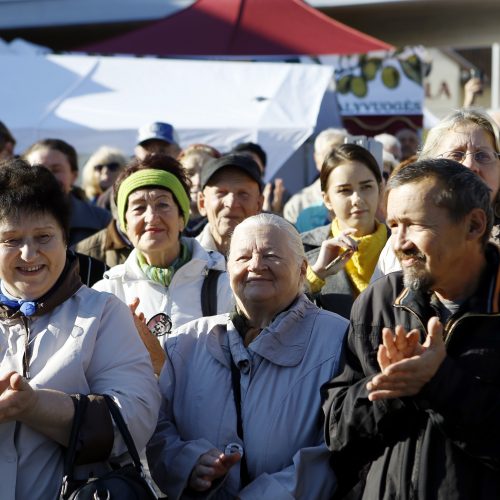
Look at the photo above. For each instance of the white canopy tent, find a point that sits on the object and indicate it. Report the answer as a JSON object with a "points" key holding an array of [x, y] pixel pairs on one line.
{"points": [[93, 101]]}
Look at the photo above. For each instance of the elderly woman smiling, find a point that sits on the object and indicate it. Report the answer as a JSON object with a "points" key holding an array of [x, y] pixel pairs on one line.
{"points": [[58, 338], [162, 279], [240, 414]]}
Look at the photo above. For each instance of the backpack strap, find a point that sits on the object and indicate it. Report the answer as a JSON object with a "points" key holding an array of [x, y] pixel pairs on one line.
{"points": [[91, 269], [209, 293]]}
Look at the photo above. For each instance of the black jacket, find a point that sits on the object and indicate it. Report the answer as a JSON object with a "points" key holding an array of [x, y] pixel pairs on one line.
{"points": [[443, 443]]}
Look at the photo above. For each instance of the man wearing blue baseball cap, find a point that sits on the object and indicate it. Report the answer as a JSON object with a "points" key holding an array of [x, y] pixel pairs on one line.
{"points": [[157, 137]]}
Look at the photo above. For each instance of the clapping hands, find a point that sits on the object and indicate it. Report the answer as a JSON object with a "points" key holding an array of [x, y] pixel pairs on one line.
{"points": [[406, 365]]}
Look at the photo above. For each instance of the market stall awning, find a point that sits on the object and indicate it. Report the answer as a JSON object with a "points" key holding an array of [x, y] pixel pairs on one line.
{"points": [[93, 101], [241, 28]]}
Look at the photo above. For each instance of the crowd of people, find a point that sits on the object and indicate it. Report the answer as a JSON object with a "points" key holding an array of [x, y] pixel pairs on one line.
{"points": [[339, 343]]}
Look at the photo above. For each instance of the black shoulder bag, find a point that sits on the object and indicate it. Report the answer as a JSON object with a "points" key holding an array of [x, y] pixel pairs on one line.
{"points": [[125, 483], [209, 293]]}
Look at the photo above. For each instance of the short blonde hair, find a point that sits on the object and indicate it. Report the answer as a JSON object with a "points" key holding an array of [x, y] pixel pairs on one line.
{"points": [[103, 155]]}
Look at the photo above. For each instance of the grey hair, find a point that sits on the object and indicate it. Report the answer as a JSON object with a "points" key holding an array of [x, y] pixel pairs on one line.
{"points": [[266, 219], [328, 139], [459, 117], [388, 140], [461, 190]]}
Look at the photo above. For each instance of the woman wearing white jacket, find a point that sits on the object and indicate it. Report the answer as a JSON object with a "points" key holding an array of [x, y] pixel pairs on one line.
{"points": [[58, 339], [162, 279]]}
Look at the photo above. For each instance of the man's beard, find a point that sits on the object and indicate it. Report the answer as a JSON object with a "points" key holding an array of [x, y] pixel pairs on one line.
{"points": [[416, 277]]}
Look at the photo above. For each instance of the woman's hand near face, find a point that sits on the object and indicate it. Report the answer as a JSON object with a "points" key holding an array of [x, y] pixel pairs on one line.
{"points": [[211, 466], [155, 349], [330, 250]]}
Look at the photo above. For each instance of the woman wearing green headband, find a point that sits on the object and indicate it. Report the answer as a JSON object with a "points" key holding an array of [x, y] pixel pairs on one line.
{"points": [[162, 278]]}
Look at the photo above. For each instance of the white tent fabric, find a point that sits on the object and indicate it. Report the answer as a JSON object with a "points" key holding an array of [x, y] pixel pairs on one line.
{"points": [[93, 101], [21, 46]]}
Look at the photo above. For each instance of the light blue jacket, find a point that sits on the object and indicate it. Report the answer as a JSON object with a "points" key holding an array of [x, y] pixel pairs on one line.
{"points": [[282, 371]]}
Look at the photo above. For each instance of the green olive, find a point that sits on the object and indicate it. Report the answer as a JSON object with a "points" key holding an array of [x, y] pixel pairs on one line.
{"points": [[358, 86], [390, 77]]}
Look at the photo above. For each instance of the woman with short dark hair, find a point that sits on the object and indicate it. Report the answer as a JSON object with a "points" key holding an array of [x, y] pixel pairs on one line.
{"points": [[58, 338]]}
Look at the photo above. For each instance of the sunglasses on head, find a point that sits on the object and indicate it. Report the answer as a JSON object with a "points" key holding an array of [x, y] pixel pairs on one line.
{"points": [[113, 166]]}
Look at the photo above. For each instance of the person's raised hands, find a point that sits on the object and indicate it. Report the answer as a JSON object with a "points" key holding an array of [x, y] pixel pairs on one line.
{"points": [[407, 376]]}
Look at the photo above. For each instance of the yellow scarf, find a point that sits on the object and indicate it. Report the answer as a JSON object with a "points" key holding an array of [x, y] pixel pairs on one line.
{"points": [[361, 265]]}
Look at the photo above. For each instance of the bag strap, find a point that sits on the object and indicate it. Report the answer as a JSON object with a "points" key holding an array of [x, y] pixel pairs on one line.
{"points": [[209, 293], [235, 379], [80, 408], [80, 402], [122, 427]]}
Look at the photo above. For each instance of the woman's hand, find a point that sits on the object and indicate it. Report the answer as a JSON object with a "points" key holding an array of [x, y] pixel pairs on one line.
{"points": [[44, 410], [17, 397], [155, 349], [330, 250], [211, 466], [472, 89]]}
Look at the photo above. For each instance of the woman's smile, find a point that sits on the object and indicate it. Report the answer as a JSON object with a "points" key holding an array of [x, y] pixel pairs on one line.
{"points": [[29, 270]]}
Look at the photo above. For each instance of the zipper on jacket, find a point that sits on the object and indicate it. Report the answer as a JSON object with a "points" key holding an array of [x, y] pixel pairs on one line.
{"points": [[413, 489], [27, 354], [413, 313]]}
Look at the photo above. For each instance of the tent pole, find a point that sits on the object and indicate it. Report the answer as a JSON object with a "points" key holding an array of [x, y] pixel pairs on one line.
{"points": [[495, 76]]}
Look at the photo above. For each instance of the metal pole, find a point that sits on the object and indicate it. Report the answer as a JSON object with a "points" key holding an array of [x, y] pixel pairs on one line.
{"points": [[495, 76]]}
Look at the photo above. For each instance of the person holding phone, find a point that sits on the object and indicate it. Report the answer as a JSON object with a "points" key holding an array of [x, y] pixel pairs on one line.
{"points": [[342, 255]]}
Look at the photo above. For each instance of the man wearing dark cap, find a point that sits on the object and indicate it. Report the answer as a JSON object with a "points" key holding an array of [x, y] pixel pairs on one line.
{"points": [[157, 137], [231, 191], [7, 143], [274, 192]]}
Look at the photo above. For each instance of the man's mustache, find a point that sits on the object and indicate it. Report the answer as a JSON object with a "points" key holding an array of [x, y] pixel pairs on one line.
{"points": [[401, 254]]}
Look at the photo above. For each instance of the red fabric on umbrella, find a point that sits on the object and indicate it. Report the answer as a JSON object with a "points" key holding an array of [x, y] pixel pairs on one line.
{"points": [[242, 27]]}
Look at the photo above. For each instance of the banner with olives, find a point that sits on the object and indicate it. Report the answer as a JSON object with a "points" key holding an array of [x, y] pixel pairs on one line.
{"points": [[387, 83]]}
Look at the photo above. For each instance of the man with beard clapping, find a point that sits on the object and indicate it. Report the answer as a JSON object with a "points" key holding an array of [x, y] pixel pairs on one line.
{"points": [[414, 413]]}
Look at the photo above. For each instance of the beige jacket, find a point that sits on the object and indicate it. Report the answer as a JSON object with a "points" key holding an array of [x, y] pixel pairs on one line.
{"points": [[308, 196]]}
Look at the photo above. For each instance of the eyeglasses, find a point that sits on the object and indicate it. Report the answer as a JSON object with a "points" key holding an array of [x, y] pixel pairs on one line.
{"points": [[112, 167], [481, 157]]}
